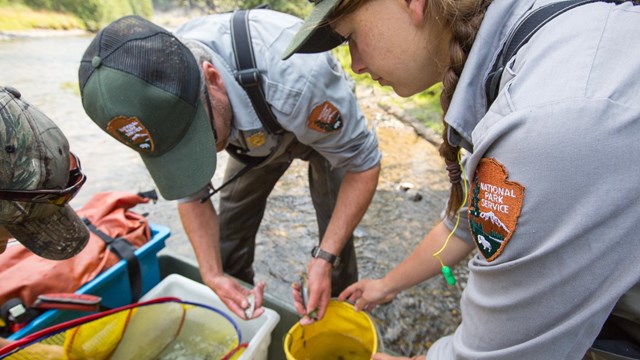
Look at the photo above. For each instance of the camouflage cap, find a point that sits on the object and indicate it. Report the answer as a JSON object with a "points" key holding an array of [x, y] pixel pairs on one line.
{"points": [[34, 155]]}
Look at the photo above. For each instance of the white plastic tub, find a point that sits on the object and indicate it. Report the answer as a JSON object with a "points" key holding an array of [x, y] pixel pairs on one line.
{"points": [[256, 332]]}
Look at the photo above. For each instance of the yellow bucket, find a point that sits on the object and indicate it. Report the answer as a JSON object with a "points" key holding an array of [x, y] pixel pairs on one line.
{"points": [[343, 333]]}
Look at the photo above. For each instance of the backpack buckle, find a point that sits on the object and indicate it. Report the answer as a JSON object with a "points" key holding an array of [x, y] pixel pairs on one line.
{"points": [[248, 77]]}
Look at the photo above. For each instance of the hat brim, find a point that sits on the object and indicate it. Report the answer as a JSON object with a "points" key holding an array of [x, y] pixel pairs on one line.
{"points": [[179, 168], [58, 236], [315, 35], [190, 164]]}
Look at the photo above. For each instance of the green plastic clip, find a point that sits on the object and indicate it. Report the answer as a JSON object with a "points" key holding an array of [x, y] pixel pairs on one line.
{"points": [[448, 275]]}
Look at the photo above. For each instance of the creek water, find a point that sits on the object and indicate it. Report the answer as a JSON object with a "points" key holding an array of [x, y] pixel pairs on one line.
{"points": [[44, 69]]}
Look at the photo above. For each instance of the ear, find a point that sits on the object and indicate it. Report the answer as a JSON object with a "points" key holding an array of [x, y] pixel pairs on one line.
{"points": [[417, 10], [212, 78]]}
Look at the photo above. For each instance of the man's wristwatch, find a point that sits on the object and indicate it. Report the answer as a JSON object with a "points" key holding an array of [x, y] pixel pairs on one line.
{"points": [[329, 257]]}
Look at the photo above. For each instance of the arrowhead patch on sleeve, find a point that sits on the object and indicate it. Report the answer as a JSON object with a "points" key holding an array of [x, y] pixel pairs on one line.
{"points": [[325, 118], [494, 207]]}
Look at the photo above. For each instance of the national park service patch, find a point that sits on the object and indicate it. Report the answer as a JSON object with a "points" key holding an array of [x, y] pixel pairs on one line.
{"points": [[494, 207], [131, 132], [325, 118]]}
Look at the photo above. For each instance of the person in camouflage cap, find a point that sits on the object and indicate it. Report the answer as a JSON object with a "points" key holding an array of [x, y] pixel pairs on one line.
{"points": [[39, 177]]}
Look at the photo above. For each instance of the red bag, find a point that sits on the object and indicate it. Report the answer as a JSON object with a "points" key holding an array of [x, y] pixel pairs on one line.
{"points": [[25, 275]]}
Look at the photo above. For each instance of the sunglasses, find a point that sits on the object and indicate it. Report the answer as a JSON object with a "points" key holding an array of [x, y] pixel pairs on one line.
{"points": [[210, 113], [52, 197]]}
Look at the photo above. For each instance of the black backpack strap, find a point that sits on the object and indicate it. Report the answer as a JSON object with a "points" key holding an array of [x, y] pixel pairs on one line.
{"points": [[249, 163], [124, 250], [248, 75], [520, 35]]}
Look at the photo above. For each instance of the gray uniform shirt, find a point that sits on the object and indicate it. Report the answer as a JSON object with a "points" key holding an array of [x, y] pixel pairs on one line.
{"points": [[555, 200], [310, 95]]}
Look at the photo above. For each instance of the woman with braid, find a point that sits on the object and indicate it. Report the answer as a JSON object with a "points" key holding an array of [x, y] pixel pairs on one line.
{"points": [[548, 198]]}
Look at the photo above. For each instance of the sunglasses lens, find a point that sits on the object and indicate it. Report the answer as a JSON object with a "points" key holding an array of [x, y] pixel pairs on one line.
{"points": [[76, 180], [210, 113], [54, 197]]}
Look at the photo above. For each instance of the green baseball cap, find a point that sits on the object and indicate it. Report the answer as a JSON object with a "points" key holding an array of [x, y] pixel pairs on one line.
{"points": [[315, 35], [38, 178], [143, 87]]}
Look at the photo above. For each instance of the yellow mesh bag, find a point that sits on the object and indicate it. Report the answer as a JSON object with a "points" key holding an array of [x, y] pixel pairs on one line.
{"points": [[158, 329]]}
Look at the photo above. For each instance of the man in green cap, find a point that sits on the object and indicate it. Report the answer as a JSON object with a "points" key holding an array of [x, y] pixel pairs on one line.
{"points": [[178, 98]]}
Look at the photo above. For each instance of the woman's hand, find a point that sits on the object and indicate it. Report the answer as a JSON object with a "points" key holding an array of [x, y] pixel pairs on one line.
{"points": [[367, 294]]}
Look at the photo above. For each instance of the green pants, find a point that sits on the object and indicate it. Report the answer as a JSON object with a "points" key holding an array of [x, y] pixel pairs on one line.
{"points": [[243, 202]]}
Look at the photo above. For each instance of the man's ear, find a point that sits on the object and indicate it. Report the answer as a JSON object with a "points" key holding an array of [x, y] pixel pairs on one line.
{"points": [[212, 77], [417, 11]]}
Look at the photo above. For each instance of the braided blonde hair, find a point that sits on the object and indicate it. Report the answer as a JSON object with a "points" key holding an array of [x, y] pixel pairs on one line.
{"points": [[463, 18]]}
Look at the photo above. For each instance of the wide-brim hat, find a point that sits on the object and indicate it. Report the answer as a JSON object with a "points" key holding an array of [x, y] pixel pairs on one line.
{"points": [[315, 35], [143, 87]]}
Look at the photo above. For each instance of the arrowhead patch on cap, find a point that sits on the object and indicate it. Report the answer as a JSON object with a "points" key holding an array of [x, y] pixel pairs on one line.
{"points": [[131, 132]]}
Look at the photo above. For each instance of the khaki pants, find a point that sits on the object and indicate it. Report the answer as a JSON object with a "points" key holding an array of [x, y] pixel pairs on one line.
{"points": [[242, 205]]}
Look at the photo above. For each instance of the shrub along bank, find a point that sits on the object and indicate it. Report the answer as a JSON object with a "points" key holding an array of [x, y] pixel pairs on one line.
{"points": [[65, 14]]}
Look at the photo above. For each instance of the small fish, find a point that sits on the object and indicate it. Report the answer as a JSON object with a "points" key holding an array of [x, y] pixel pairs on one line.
{"points": [[313, 314], [304, 290], [248, 312]]}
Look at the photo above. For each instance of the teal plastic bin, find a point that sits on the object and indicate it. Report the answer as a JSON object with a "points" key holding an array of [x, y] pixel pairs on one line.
{"points": [[112, 285]]}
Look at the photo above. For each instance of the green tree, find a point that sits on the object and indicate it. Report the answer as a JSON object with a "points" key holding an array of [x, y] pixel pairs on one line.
{"points": [[299, 8], [95, 13], [475, 210]]}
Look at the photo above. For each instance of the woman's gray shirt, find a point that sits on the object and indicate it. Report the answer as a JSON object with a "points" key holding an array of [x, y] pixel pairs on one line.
{"points": [[554, 204]]}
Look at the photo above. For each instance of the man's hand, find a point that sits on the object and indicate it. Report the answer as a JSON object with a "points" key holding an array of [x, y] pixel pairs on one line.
{"points": [[235, 296], [367, 294], [200, 222], [319, 275]]}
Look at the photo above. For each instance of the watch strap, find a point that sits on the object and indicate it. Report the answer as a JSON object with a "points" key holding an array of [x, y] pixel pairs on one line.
{"points": [[334, 260]]}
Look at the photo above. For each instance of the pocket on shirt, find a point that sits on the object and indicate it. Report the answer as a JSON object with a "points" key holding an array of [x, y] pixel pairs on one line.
{"points": [[282, 98]]}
